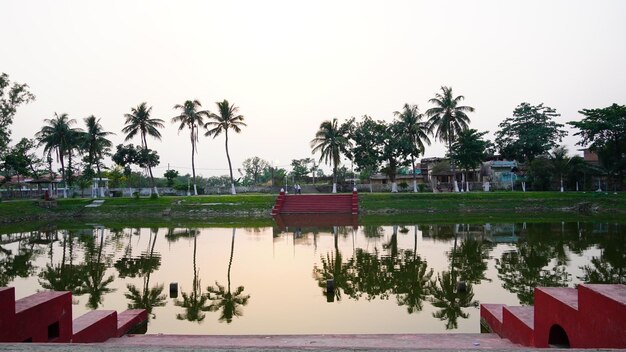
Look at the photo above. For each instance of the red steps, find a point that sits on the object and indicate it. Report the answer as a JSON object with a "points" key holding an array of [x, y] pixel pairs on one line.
{"points": [[591, 316], [316, 204], [47, 317], [95, 326]]}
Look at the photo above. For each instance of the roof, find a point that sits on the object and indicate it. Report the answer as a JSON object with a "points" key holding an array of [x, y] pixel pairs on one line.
{"points": [[503, 163]]}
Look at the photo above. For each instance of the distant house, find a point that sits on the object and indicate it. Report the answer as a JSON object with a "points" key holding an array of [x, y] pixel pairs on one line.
{"points": [[404, 175], [502, 171]]}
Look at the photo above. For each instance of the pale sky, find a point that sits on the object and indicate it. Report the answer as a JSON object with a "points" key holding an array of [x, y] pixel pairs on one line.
{"points": [[289, 64]]}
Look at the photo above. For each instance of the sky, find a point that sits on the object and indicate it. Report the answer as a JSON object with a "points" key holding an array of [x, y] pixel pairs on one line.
{"points": [[289, 65]]}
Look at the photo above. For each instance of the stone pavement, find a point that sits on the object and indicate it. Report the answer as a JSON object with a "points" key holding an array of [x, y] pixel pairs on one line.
{"points": [[319, 343]]}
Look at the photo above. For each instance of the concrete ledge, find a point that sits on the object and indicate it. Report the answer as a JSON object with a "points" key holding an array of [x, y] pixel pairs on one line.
{"points": [[95, 326], [131, 320]]}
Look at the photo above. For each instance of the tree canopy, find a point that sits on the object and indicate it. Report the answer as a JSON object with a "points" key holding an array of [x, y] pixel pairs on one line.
{"points": [[11, 97], [604, 131], [530, 132]]}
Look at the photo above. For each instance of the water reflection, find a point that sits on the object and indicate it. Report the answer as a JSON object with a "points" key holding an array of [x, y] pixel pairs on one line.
{"points": [[147, 297], [194, 302], [420, 278], [229, 304]]}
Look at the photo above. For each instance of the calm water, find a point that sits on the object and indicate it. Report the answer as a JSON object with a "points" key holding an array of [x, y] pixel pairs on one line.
{"points": [[388, 279]]}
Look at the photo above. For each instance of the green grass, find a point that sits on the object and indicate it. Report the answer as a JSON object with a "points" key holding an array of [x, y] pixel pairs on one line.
{"points": [[255, 208]]}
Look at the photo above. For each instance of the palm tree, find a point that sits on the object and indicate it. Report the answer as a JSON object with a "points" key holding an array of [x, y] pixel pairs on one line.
{"points": [[448, 117], [59, 137], [226, 119], [191, 118], [416, 130], [96, 144], [330, 141], [139, 122]]}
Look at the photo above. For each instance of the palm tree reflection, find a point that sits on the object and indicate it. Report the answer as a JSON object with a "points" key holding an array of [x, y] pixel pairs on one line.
{"points": [[94, 283], [227, 302], [195, 301], [147, 297]]}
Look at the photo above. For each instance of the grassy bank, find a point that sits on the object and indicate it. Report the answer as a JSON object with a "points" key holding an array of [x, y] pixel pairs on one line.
{"points": [[255, 208]]}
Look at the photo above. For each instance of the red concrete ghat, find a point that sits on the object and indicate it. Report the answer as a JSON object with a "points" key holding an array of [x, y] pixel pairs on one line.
{"points": [[591, 316], [47, 317], [316, 204]]}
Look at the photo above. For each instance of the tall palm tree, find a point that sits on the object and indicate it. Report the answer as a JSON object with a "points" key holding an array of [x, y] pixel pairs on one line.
{"points": [[330, 141], [226, 119], [140, 122], [417, 131], [191, 118], [448, 117], [59, 137], [96, 145]]}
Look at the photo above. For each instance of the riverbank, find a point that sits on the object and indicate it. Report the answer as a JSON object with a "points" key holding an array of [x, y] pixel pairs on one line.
{"points": [[255, 208]]}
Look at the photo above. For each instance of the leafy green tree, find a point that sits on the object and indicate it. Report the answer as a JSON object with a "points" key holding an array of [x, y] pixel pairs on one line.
{"points": [[11, 97], [378, 145], [170, 175], [227, 118], [530, 132], [469, 149], [147, 159], [21, 160], [331, 141], [254, 168], [96, 145], [126, 156], [115, 176], [417, 131], [59, 137], [300, 167], [140, 122], [604, 132], [448, 118], [191, 118], [539, 173]]}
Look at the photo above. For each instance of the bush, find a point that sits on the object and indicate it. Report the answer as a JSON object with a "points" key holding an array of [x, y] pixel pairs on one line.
{"points": [[421, 187], [154, 196], [136, 195]]}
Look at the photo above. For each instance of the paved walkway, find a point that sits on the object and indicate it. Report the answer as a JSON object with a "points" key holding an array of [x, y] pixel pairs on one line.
{"points": [[400, 342]]}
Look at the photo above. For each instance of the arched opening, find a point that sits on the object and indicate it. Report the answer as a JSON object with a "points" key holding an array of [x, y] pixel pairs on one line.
{"points": [[558, 337]]}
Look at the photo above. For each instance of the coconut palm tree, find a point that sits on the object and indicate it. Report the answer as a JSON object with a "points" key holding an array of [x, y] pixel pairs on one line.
{"points": [[226, 119], [448, 118], [191, 118], [417, 131], [59, 137], [331, 141], [140, 122], [96, 144]]}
